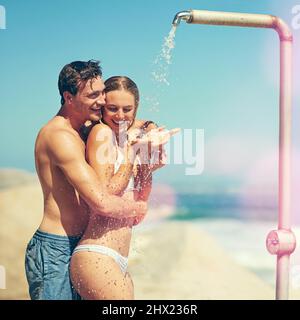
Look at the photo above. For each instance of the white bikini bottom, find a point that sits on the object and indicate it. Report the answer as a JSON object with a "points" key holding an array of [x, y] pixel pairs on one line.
{"points": [[120, 260]]}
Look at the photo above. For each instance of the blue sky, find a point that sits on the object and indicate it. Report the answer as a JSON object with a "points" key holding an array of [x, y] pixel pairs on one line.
{"points": [[222, 80]]}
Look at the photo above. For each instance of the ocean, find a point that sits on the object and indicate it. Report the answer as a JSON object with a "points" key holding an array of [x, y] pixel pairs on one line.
{"points": [[240, 228]]}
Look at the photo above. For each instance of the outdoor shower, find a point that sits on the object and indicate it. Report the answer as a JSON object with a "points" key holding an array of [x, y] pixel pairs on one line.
{"points": [[281, 242]]}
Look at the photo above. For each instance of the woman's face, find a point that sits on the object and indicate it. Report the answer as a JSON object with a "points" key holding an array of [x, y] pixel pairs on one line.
{"points": [[119, 110]]}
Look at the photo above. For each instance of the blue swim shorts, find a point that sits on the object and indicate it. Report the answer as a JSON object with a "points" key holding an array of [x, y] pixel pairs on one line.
{"points": [[47, 263]]}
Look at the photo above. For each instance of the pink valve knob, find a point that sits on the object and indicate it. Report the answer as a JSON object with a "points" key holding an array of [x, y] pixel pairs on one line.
{"points": [[281, 242]]}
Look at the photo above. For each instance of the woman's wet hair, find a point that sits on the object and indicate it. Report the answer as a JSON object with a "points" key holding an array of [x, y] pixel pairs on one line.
{"points": [[74, 73], [123, 83]]}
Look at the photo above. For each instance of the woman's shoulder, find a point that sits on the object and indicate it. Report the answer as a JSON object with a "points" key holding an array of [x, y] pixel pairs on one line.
{"points": [[99, 128]]}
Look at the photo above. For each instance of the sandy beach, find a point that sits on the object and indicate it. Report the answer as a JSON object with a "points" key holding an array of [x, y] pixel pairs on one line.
{"points": [[175, 260], [168, 259]]}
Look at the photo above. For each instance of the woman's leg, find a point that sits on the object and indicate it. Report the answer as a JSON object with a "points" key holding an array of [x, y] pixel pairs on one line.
{"points": [[98, 277]]}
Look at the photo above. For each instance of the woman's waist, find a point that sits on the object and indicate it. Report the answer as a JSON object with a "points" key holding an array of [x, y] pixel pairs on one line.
{"points": [[118, 240]]}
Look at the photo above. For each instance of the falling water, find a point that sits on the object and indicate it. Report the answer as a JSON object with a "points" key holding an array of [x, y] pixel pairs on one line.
{"points": [[159, 77], [164, 59], [161, 70]]}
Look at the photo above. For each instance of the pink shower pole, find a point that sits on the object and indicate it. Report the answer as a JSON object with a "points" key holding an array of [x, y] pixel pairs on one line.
{"points": [[281, 242]]}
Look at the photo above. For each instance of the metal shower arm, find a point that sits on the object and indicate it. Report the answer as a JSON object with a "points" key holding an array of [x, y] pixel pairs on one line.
{"points": [[235, 19]]}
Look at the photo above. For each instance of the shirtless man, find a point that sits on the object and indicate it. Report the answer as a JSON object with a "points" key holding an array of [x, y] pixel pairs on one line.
{"points": [[69, 184]]}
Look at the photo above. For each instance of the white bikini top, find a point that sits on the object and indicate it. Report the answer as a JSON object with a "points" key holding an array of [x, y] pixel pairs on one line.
{"points": [[118, 162]]}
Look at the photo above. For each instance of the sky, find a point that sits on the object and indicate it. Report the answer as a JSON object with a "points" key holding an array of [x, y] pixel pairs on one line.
{"points": [[222, 80]]}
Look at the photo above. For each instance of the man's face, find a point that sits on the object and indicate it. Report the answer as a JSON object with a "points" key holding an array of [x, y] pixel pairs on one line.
{"points": [[89, 99]]}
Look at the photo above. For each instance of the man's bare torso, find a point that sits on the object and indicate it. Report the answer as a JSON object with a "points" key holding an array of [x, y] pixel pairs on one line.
{"points": [[65, 213]]}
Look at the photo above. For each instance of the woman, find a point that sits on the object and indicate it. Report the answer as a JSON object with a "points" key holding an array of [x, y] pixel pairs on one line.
{"points": [[99, 263]]}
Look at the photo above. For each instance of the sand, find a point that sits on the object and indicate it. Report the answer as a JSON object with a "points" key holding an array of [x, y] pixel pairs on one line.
{"points": [[20, 214], [168, 260], [177, 261]]}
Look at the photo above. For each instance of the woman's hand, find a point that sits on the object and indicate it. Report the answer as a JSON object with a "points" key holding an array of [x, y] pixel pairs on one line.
{"points": [[159, 159], [149, 145], [137, 220], [156, 137]]}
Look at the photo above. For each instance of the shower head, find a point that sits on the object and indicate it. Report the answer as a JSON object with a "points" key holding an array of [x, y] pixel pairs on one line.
{"points": [[182, 15]]}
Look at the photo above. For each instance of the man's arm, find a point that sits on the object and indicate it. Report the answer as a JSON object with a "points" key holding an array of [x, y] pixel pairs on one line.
{"points": [[101, 155], [66, 153]]}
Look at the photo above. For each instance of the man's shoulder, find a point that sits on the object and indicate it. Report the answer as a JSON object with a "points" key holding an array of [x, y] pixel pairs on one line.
{"points": [[55, 134]]}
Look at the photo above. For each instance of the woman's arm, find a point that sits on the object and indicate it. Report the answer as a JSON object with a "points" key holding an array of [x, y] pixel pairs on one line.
{"points": [[157, 154], [101, 155], [143, 181], [66, 154]]}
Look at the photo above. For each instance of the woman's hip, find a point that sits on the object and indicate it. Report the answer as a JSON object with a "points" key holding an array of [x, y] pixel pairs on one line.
{"points": [[96, 253]]}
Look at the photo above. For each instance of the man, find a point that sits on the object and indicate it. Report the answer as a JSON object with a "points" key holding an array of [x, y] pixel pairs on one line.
{"points": [[69, 184]]}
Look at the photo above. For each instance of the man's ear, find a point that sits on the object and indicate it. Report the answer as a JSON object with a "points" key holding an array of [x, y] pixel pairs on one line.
{"points": [[68, 97]]}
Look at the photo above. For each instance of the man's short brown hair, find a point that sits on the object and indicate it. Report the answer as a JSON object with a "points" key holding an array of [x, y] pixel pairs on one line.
{"points": [[76, 72]]}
